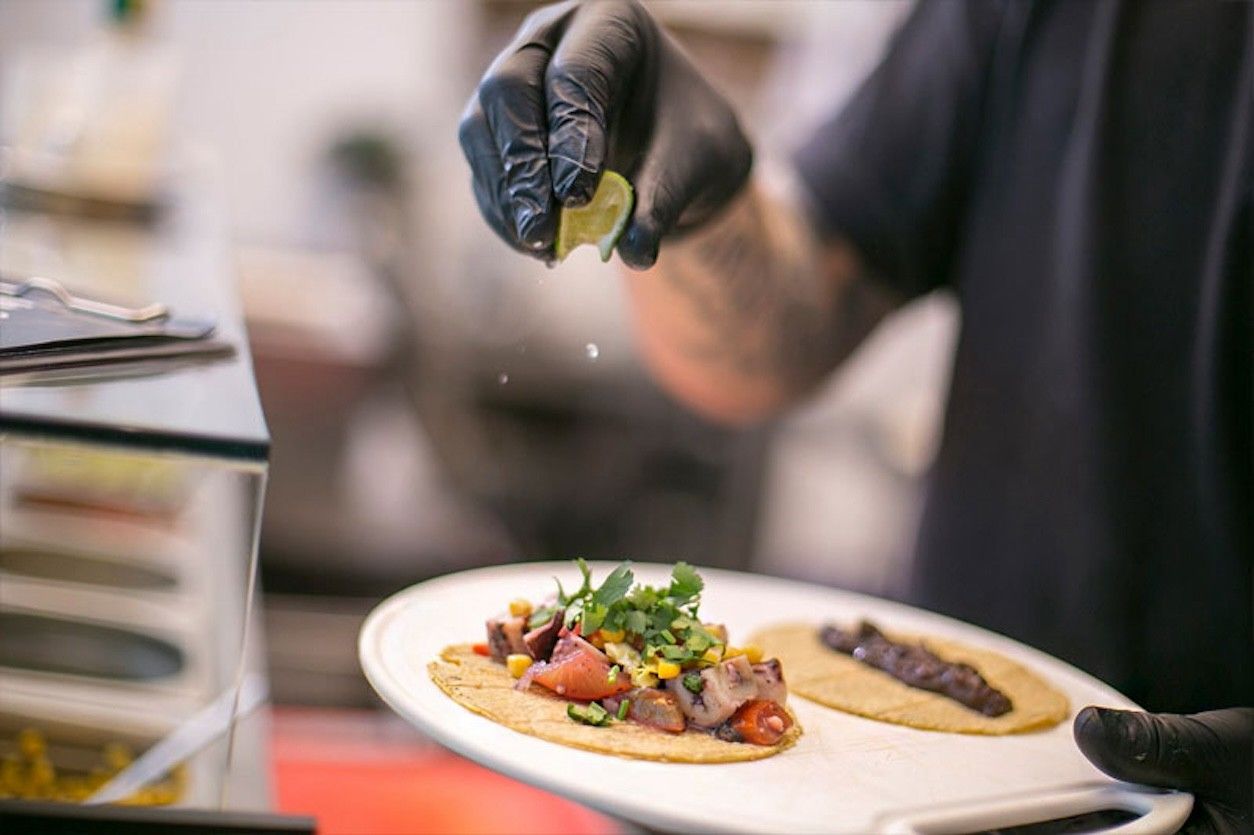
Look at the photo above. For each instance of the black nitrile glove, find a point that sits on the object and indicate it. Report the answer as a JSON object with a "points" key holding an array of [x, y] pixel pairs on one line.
{"points": [[1208, 754], [583, 87]]}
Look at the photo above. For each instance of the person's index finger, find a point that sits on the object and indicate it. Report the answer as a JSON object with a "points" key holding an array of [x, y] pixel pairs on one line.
{"points": [[512, 98], [596, 57]]}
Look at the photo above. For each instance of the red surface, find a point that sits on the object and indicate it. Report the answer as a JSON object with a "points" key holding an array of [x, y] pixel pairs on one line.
{"points": [[359, 775]]}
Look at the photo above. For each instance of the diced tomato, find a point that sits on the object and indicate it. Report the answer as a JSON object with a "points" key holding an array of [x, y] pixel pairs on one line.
{"points": [[760, 722], [581, 675], [481, 649]]}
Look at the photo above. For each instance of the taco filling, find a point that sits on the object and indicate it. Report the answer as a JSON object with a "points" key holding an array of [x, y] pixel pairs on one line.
{"points": [[640, 654], [926, 682], [915, 665]]}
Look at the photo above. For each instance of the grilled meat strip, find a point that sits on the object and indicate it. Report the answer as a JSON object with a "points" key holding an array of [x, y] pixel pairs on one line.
{"points": [[915, 665]]}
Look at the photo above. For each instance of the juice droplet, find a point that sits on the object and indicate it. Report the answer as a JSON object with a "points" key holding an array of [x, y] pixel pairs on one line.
{"points": [[502, 378], [592, 350]]}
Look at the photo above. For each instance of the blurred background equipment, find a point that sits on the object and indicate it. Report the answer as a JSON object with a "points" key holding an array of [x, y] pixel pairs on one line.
{"points": [[435, 402]]}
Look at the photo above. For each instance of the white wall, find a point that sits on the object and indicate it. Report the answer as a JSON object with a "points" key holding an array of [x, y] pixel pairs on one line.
{"points": [[269, 85]]}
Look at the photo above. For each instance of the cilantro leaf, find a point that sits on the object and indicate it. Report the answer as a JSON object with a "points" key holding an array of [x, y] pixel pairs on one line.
{"points": [[614, 621], [615, 586], [685, 582], [636, 622], [643, 597], [593, 617], [562, 597]]}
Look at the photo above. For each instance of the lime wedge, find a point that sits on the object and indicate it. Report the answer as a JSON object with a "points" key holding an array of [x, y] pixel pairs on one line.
{"points": [[601, 221]]}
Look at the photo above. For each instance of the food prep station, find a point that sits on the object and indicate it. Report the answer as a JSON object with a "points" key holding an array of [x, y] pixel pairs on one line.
{"points": [[131, 498]]}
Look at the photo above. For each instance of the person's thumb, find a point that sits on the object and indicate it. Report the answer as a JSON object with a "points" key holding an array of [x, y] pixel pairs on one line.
{"points": [[1209, 754], [677, 189]]}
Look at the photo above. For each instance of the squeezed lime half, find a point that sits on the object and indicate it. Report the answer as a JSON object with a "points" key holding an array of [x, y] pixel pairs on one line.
{"points": [[601, 221]]}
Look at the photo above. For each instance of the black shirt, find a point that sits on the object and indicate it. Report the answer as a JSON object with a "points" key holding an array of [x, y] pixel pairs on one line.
{"points": [[1079, 175]]}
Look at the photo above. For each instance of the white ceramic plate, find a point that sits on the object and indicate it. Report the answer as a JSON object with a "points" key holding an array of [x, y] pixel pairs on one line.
{"points": [[846, 774]]}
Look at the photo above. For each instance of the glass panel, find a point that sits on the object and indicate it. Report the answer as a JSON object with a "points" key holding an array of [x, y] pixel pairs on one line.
{"points": [[124, 583]]}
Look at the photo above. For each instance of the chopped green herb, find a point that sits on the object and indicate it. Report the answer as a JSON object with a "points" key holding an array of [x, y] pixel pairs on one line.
{"points": [[614, 619], [583, 589], [613, 676], [593, 616], [693, 682], [636, 621], [685, 582], [662, 620], [643, 597], [697, 642], [623, 707], [615, 586], [674, 653]]}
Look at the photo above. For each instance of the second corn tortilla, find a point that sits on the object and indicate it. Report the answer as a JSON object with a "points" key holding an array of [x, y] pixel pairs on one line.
{"points": [[485, 687], [839, 681]]}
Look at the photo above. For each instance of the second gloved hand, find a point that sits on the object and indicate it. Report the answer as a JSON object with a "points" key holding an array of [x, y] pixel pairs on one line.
{"points": [[1209, 754], [583, 87]]}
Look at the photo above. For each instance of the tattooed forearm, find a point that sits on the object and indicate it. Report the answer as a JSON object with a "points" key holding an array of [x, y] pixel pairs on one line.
{"points": [[768, 302]]}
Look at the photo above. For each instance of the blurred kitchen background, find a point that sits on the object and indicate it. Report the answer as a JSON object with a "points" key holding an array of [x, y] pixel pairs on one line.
{"points": [[435, 401]]}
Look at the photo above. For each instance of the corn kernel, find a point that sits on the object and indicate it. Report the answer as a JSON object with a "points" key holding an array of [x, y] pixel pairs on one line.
{"points": [[520, 608], [613, 636], [730, 652], [31, 743], [713, 655], [117, 756], [517, 664], [667, 669], [753, 652]]}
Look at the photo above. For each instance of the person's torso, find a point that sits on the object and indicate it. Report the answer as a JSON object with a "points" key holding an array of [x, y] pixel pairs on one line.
{"points": [[1092, 492]]}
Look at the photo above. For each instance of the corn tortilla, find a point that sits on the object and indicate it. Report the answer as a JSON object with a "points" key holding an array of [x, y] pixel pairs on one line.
{"points": [[839, 681], [485, 687]]}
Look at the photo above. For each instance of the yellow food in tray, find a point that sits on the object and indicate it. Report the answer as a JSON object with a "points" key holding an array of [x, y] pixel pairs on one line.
{"points": [[28, 773]]}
